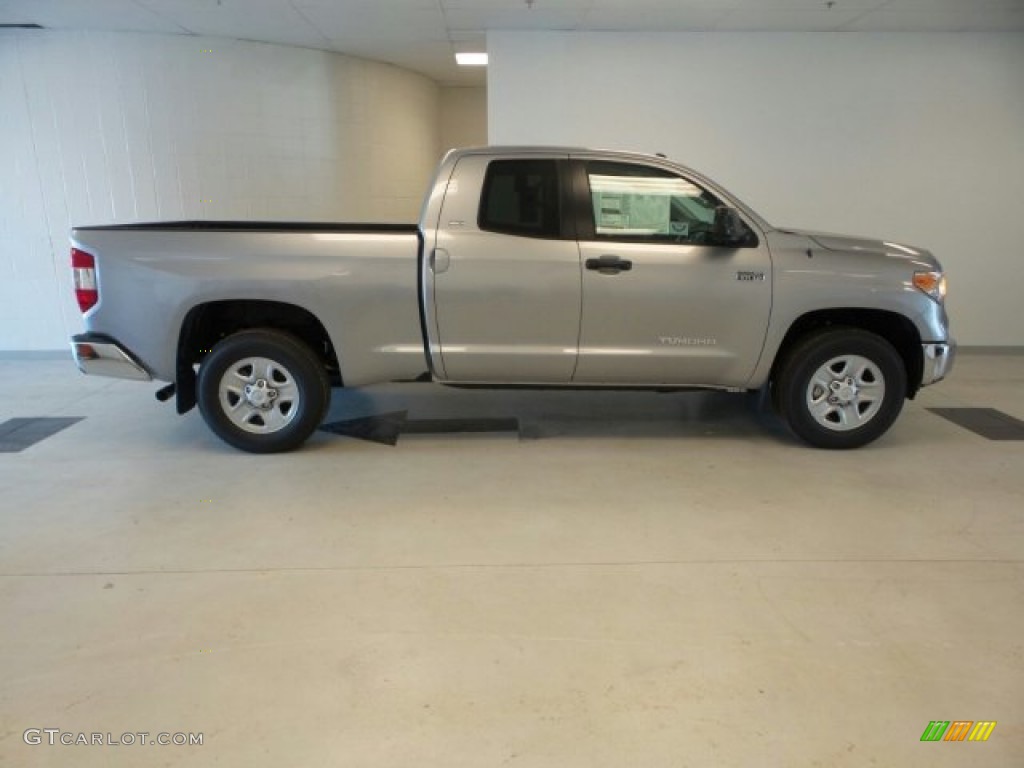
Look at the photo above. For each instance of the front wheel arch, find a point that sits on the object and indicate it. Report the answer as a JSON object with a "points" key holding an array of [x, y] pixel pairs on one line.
{"points": [[895, 328], [840, 387]]}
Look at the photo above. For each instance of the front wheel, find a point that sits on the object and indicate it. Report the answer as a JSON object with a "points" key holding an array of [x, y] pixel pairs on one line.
{"points": [[262, 391], [841, 388]]}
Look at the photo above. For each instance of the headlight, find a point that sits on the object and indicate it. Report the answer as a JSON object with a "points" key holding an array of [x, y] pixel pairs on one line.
{"points": [[932, 283]]}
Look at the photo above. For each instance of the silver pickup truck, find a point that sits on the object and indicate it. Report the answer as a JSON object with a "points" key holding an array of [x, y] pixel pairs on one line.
{"points": [[534, 267]]}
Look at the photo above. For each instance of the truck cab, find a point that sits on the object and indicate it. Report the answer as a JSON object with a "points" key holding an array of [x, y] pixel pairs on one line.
{"points": [[547, 267]]}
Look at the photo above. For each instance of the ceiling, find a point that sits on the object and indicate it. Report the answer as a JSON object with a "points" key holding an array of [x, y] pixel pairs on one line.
{"points": [[423, 34]]}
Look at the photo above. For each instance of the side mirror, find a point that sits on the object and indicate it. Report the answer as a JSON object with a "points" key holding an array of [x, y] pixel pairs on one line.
{"points": [[728, 228]]}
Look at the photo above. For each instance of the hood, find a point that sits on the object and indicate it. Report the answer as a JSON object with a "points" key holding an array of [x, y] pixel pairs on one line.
{"points": [[854, 244]]}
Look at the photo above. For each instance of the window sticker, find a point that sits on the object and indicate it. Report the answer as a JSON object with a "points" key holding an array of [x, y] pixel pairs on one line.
{"points": [[631, 205]]}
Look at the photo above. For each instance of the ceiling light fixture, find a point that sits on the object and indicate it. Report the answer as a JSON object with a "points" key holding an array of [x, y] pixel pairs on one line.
{"points": [[471, 59]]}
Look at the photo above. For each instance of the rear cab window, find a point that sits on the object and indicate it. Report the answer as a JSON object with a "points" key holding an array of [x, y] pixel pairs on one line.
{"points": [[522, 197]]}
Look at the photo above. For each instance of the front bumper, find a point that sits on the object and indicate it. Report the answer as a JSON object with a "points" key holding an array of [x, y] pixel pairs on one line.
{"points": [[938, 361], [102, 356]]}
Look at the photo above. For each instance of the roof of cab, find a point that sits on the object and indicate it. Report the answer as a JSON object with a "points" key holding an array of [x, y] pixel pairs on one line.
{"points": [[500, 149]]}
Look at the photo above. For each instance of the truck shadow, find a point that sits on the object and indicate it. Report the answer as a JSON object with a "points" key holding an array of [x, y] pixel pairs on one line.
{"points": [[381, 414]]}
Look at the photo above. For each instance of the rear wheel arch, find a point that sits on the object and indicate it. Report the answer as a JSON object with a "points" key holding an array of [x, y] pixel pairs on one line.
{"points": [[263, 390], [204, 325]]}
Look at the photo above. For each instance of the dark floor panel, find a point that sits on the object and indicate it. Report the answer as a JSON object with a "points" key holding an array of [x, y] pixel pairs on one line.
{"points": [[454, 426], [18, 434], [386, 428], [987, 422]]}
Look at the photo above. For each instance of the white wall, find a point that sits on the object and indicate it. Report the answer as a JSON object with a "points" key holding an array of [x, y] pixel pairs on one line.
{"points": [[116, 127], [463, 117], [912, 137]]}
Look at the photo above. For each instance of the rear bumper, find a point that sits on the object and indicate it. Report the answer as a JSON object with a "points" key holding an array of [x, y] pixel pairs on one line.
{"points": [[99, 355], [938, 361]]}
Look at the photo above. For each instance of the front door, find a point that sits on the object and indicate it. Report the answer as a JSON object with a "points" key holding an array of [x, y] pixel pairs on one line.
{"points": [[660, 304], [506, 273]]}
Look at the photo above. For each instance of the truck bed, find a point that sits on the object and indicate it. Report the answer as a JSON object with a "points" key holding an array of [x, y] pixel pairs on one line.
{"points": [[358, 280], [259, 226]]}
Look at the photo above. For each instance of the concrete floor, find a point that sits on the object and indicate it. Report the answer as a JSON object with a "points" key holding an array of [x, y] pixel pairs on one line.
{"points": [[641, 580]]}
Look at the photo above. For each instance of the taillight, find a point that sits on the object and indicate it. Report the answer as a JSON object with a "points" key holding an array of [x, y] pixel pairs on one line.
{"points": [[83, 269]]}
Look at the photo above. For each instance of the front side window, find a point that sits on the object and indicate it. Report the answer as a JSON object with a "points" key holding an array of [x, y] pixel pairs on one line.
{"points": [[635, 202], [520, 197]]}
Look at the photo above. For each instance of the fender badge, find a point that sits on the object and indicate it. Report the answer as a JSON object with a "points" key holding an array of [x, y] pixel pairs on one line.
{"points": [[750, 277]]}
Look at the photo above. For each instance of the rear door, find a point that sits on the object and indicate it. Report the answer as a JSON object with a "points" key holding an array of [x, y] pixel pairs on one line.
{"points": [[661, 305], [506, 272]]}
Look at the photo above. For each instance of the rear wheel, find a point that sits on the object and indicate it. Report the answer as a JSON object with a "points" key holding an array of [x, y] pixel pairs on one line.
{"points": [[841, 388], [263, 391]]}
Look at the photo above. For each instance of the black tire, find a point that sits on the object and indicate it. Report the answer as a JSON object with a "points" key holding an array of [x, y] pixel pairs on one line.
{"points": [[275, 416], [860, 371]]}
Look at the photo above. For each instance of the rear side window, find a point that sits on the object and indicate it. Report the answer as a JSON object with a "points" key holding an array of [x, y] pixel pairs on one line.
{"points": [[520, 197]]}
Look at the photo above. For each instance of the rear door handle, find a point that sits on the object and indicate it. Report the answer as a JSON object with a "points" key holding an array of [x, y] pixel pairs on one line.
{"points": [[609, 265]]}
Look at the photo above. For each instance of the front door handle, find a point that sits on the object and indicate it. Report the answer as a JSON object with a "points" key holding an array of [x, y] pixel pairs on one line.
{"points": [[609, 265]]}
